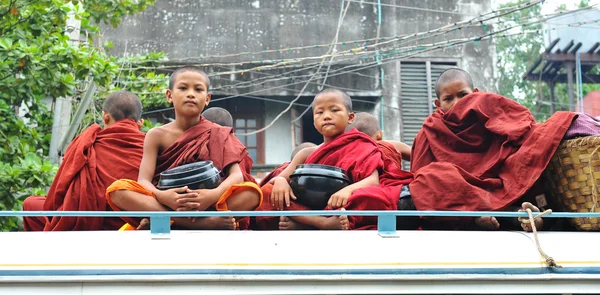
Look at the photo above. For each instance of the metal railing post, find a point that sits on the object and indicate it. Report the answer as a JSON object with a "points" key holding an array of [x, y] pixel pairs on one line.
{"points": [[160, 226], [386, 226]]}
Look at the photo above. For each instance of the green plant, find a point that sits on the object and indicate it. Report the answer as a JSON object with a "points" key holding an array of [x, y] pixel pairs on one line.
{"points": [[517, 54], [38, 61]]}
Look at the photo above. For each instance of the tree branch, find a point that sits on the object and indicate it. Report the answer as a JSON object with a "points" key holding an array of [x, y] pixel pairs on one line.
{"points": [[3, 31], [10, 5]]}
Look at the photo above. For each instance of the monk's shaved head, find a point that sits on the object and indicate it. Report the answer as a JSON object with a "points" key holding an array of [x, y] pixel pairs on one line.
{"points": [[452, 75], [219, 116], [123, 105], [300, 147], [345, 97], [365, 123], [176, 73]]}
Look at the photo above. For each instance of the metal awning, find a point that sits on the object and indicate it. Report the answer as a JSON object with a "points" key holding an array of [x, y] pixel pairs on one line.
{"points": [[560, 67]]}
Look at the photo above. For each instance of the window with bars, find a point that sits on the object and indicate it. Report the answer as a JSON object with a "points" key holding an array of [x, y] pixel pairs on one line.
{"points": [[253, 142]]}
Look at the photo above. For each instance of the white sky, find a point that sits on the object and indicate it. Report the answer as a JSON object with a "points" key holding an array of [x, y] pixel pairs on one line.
{"points": [[550, 6]]}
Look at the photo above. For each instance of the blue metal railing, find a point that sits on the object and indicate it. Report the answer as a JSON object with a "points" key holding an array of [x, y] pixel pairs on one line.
{"points": [[386, 224]]}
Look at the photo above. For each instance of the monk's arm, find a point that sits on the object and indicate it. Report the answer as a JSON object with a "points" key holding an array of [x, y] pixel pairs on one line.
{"points": [[282, 192], [402, 148], [234, 176], [148, 164], [370, 180], [341, 197], [300, 158]]}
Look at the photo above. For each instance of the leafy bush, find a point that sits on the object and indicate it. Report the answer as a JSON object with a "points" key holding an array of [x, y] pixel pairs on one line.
{"points": [[39, 61]]}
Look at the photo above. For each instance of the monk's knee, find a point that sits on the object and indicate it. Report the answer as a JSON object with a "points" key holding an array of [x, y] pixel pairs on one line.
{"points": [[117, 197], [246, 200], [33, 203]]}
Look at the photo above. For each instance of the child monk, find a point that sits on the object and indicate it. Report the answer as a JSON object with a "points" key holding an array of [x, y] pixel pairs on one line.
{"points": [[396, 151], [94, 160], [190, 138], [219, 116], [481, 152], [352, 151]]}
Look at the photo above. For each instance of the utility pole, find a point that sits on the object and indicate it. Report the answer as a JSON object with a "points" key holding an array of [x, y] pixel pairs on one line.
{"points": [[63, 105]]}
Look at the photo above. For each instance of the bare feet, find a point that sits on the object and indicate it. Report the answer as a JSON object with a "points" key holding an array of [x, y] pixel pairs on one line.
{"points": [[336, 222], [487, 222], [539, 222], [144, 224], [216, 223], [286, 223]]}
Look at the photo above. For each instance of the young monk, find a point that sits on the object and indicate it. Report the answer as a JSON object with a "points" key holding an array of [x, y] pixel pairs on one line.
{"points": [[190, 138], [452, 85], [94, 160], [352, 151], [481, 152], [396, 151], [219, 116]]}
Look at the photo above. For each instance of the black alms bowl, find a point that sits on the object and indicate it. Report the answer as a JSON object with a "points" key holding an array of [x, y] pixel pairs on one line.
{"points": [[314, 184], [199, 175]]}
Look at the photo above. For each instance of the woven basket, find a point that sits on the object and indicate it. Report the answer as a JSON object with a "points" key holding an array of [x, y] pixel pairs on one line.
{"points": [[574, 178]]}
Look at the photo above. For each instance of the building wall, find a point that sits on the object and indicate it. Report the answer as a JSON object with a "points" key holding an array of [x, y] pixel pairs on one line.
{"points": [[279, 137], [206, 32]]}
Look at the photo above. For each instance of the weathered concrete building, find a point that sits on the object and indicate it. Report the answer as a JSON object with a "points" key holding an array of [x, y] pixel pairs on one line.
{"points": [[232, 38]]}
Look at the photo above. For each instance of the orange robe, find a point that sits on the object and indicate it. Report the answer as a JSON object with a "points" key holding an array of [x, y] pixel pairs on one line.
{"points": [[205, 141], [94, 160]]}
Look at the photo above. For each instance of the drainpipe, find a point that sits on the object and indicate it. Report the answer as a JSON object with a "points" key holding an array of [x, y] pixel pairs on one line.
{"points": [[381, 71]]}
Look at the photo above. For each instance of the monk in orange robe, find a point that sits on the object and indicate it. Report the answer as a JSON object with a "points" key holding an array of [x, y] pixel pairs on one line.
{"points": [[94, 160], [481, 152], [395, 151], [352, 151], [188, 139]]}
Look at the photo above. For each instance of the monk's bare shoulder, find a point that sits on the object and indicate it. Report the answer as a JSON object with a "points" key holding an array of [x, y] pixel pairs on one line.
{"points": [[402, 148], [304, 153], [163, 136]]}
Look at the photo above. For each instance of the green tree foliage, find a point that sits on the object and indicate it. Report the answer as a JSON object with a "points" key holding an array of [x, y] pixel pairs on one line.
{"points": [[516, 54], [39, 61]]}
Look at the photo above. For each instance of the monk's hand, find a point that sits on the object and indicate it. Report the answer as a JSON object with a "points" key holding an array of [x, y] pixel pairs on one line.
{"points": [[201, 200], [339, 199], [169, 197], [281, 194]]}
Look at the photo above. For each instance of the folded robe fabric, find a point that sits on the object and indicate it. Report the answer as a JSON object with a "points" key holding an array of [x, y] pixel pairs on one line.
{"points": [[273, 174], [205, 141], [359, 156], [389, 151], [483, 154], [94, 160], [34, 223]]}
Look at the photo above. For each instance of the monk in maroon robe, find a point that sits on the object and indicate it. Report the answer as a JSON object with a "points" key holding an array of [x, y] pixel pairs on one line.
{"points": [[94, 160], [480, 151], [394, 151], [352, 151], [190, 138]]}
